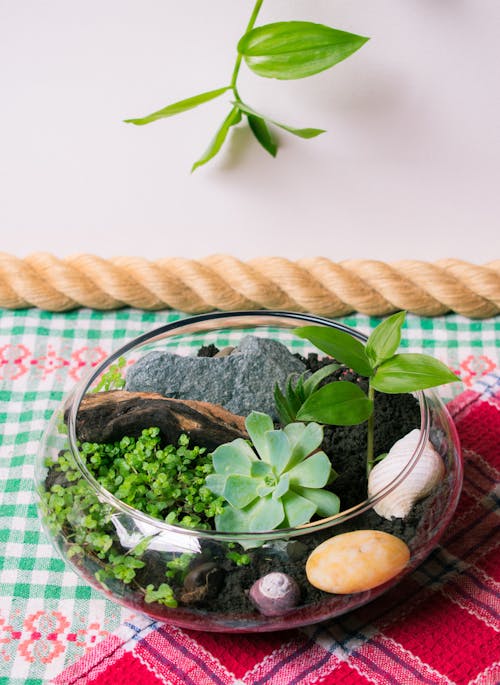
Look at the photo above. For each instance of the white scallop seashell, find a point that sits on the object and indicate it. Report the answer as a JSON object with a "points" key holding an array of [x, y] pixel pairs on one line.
{"points": [[426, 473]]}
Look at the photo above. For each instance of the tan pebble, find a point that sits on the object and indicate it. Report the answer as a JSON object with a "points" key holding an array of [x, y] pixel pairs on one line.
{"points": [[225, 352], [356, 561]]}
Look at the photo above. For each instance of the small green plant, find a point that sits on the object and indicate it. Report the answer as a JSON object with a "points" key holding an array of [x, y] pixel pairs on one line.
{"points": [[345, 403], [72, 511], [140, 473], [281, 50], [178, 567], [297, 391], [279, 485], [238, 558], [162, 594], [120, 567], [112, 379], [155, 479]]}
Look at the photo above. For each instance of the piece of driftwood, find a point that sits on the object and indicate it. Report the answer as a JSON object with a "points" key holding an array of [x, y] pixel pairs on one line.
{"points": [[109, 416]]}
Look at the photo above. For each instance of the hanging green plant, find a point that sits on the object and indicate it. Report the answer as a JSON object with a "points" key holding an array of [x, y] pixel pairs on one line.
{"points": [[282, 50]]}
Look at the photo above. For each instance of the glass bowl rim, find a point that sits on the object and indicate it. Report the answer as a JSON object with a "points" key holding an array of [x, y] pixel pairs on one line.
{"points": [[278, 317]]}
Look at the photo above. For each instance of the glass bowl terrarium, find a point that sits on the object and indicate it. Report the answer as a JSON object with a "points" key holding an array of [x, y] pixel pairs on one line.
{"points": [[187, 479]]}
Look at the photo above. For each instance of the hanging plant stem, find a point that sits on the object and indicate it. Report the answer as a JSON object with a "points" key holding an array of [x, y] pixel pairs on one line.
{"points": [[237, 64], [282, 50]]}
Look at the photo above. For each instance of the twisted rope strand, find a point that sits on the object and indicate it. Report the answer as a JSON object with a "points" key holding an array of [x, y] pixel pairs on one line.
{"points": [[445, 289], [395, 283], [303, 292], [223, 282], [351, 290]]}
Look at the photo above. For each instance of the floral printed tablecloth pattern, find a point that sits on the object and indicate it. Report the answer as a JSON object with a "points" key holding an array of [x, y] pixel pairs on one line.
{"points": [[49, 618]]}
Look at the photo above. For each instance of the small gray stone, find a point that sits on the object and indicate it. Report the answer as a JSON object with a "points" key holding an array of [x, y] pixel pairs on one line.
{"points": [[241, 382]]}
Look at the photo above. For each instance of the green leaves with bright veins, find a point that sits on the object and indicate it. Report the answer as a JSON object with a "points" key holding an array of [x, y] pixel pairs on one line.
{"points": [[409, 372], [259, 128], [345, 403], [385, 338], [282, 50], [300, 132], [233, 118], [179, 107], [340, 345], [340, 403], [296, 49]]}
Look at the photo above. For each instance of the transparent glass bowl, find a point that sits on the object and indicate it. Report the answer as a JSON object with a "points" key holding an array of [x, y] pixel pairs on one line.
{"points": [[87, 524]]}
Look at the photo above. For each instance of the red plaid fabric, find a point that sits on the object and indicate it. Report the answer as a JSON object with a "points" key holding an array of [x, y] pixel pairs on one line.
{"points": [[438, 626]]}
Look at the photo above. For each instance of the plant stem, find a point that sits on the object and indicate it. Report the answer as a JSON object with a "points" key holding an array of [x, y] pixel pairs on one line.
{"points": [[237, 64], [369, 440]]}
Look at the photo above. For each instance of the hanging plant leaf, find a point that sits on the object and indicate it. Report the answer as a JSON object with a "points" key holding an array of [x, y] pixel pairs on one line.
{"points": [[261, 132], [233, 118], [300, 132], [296, 49], [179, 107]]}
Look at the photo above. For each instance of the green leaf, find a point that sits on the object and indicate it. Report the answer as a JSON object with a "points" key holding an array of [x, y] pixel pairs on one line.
{"points": [[141, 546], [240, 490], [178, 107], [313, 472], [263, 489], [327, 503], [286, 414], [384, 340], [279, 450], [292, 399], [257, 425], [299, 390], [340, 345], [265, 514], [230, 520], [298, 510], [233, 457], [296, 49], [233, 118], [340, 403], [167, 598], [304, 441], [410, 372], [216, 483], [282, 487], [312, 382], [300, 132], [261, 132], [163, 594], [261, 469], [294, 433]]}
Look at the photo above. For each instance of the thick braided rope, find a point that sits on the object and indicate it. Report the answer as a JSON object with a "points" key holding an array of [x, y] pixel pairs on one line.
{"points": [[223, 282]]}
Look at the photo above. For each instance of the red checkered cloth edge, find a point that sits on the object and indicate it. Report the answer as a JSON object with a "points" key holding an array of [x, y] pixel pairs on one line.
{"points": [[439, 625]]}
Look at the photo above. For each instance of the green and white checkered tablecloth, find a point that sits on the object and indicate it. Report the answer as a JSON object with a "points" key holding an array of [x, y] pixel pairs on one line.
{"points": [[48, 617]]}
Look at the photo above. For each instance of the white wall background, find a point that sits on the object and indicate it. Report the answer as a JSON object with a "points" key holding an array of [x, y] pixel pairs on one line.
{"points": [[409, 167]]}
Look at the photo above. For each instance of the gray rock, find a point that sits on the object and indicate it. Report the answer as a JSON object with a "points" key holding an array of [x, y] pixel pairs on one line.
{"points": [[241, 382]]}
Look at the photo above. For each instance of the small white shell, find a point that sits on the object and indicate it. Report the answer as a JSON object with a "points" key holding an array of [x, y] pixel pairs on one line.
{"points": [[426, 473]]}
